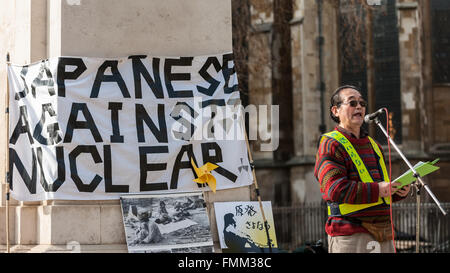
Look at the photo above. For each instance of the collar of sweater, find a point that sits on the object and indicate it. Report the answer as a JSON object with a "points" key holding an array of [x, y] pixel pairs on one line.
{"points": [[363, 139]]}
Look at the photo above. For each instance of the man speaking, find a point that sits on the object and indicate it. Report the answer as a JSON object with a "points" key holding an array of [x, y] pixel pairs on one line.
{"points": [[354, 181]]}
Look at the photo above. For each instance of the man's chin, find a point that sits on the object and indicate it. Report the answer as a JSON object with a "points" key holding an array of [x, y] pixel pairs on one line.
{"points": [[357, 122]]}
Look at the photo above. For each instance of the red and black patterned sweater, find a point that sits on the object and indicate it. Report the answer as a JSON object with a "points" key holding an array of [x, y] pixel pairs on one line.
{"points": [[340, 182]]}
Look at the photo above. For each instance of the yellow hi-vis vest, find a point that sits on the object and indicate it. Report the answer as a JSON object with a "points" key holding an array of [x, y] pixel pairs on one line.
{"points": [[336, 209]]}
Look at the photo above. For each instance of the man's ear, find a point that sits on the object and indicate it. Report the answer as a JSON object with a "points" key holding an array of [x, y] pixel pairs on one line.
{"points": [[334, 110]]}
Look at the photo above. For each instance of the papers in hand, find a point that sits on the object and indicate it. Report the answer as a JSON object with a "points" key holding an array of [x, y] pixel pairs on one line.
{"points": [[422, 168]]}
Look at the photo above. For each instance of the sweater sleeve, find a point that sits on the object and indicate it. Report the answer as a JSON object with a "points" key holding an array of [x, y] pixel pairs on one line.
{"points": [[331, 173]]}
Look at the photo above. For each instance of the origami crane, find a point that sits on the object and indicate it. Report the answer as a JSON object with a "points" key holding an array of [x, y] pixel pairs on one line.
{"points": [[204, 174]]}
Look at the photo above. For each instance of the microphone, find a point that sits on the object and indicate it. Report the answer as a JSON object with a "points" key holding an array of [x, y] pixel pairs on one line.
{"points": [[370, 117]]}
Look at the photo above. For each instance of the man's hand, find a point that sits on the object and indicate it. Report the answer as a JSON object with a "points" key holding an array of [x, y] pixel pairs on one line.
{"points": [[403, 191], [383, 188]]}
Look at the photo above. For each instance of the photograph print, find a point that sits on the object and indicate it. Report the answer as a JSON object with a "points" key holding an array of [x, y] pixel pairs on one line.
{"points": [[166, 223]]}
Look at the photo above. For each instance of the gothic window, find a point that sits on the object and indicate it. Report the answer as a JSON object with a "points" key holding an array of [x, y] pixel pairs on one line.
{"points": [[440, 21]]}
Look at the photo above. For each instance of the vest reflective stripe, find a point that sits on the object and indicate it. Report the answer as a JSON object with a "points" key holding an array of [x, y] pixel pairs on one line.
{"points": [[335, 209], [380, 156]]}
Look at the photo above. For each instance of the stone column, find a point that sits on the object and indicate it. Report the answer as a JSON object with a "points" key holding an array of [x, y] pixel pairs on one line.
{"points": [[310, 77], [24, 37], [260, 90], [306, 82], [410, 48], [103, 28]]}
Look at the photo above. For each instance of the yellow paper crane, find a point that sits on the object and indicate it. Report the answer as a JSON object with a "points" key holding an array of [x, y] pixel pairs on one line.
{"points": [[204, 174]]}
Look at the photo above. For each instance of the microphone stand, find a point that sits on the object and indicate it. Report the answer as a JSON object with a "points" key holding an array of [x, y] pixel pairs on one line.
{"points": [[419, 184]]}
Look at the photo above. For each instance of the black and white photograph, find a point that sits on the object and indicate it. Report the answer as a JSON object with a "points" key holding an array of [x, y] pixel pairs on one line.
{"points": [[166, 223]]}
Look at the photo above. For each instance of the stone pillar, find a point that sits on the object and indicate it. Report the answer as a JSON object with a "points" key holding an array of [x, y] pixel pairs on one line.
{"points": [[410, 48], [306, 83], [260, 91], [39, 29], [6, 36], [310, 77], [282, 77], [330, 55], [24, 22], [427, 74], [260, 73], [297, 83]]}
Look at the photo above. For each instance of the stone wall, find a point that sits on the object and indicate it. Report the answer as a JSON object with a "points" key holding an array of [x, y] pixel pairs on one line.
{"points": [[425, 115]]}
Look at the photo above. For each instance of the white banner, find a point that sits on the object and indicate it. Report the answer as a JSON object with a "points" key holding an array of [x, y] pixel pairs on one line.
{"points": [[94, 129]]}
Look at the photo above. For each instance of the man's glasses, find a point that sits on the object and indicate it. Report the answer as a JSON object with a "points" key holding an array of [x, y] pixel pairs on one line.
{"points": [[354, 103]]}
